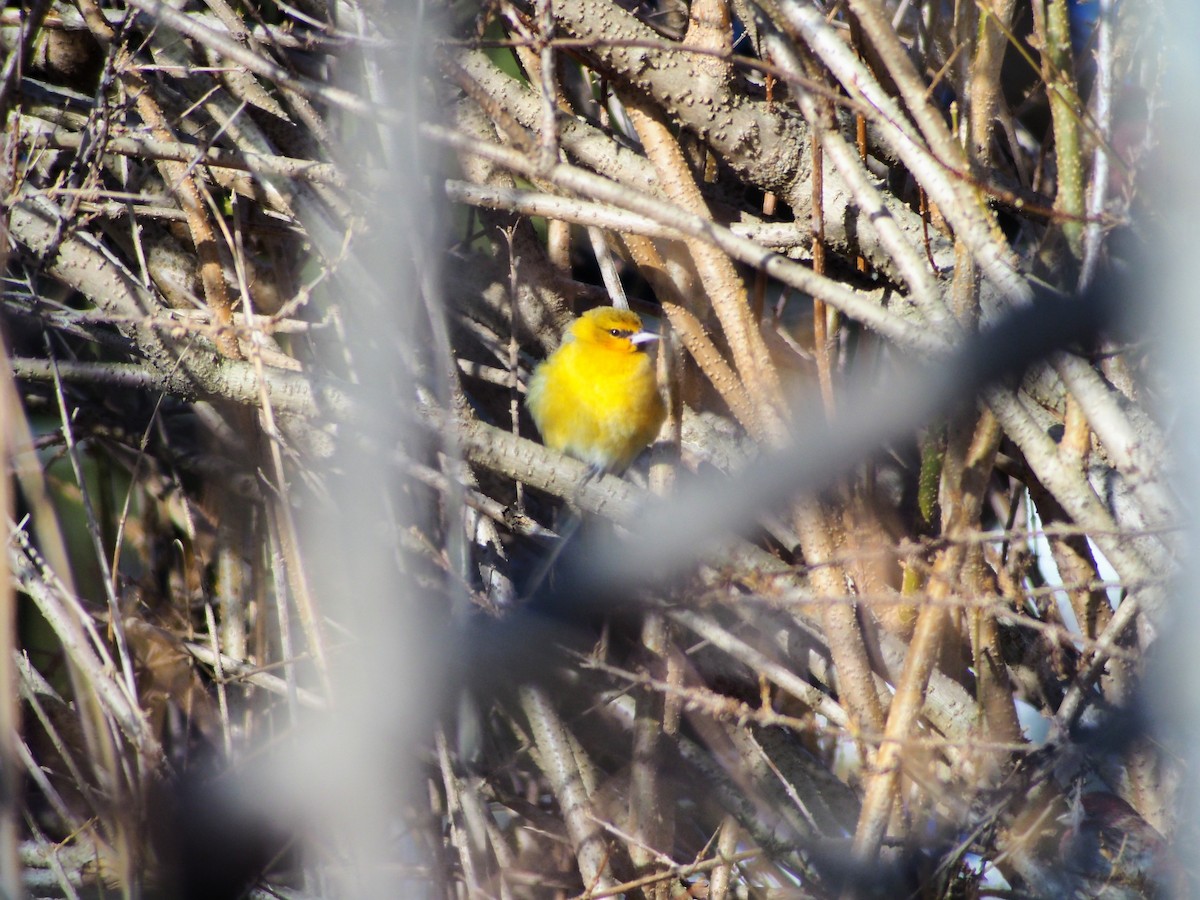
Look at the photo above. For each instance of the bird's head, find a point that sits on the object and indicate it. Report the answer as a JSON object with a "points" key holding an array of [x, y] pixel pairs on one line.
{"points": [[619, 330]]}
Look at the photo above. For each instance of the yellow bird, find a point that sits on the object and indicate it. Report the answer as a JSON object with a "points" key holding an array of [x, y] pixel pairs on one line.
{"points": [[596, 397]]}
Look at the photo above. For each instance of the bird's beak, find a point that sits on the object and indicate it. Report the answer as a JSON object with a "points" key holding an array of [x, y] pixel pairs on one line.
{"points": [[643, 337]]}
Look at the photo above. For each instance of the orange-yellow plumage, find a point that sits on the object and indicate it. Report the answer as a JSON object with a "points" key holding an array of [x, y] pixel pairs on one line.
{"points": [[596, 397]]}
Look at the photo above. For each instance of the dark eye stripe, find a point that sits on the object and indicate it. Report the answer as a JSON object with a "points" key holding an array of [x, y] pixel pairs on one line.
{"points": [[618, 333]]}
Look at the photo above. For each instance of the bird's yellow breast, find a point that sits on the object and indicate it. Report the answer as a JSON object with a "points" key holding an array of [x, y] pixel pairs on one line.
{"points": [[596, 397]]}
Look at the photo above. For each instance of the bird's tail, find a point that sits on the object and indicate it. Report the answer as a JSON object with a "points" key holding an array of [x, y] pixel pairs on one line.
{"points": [[566, 531]]}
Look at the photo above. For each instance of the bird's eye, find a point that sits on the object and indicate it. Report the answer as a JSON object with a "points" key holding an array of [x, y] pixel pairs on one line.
{"points": [[616, 332]]}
